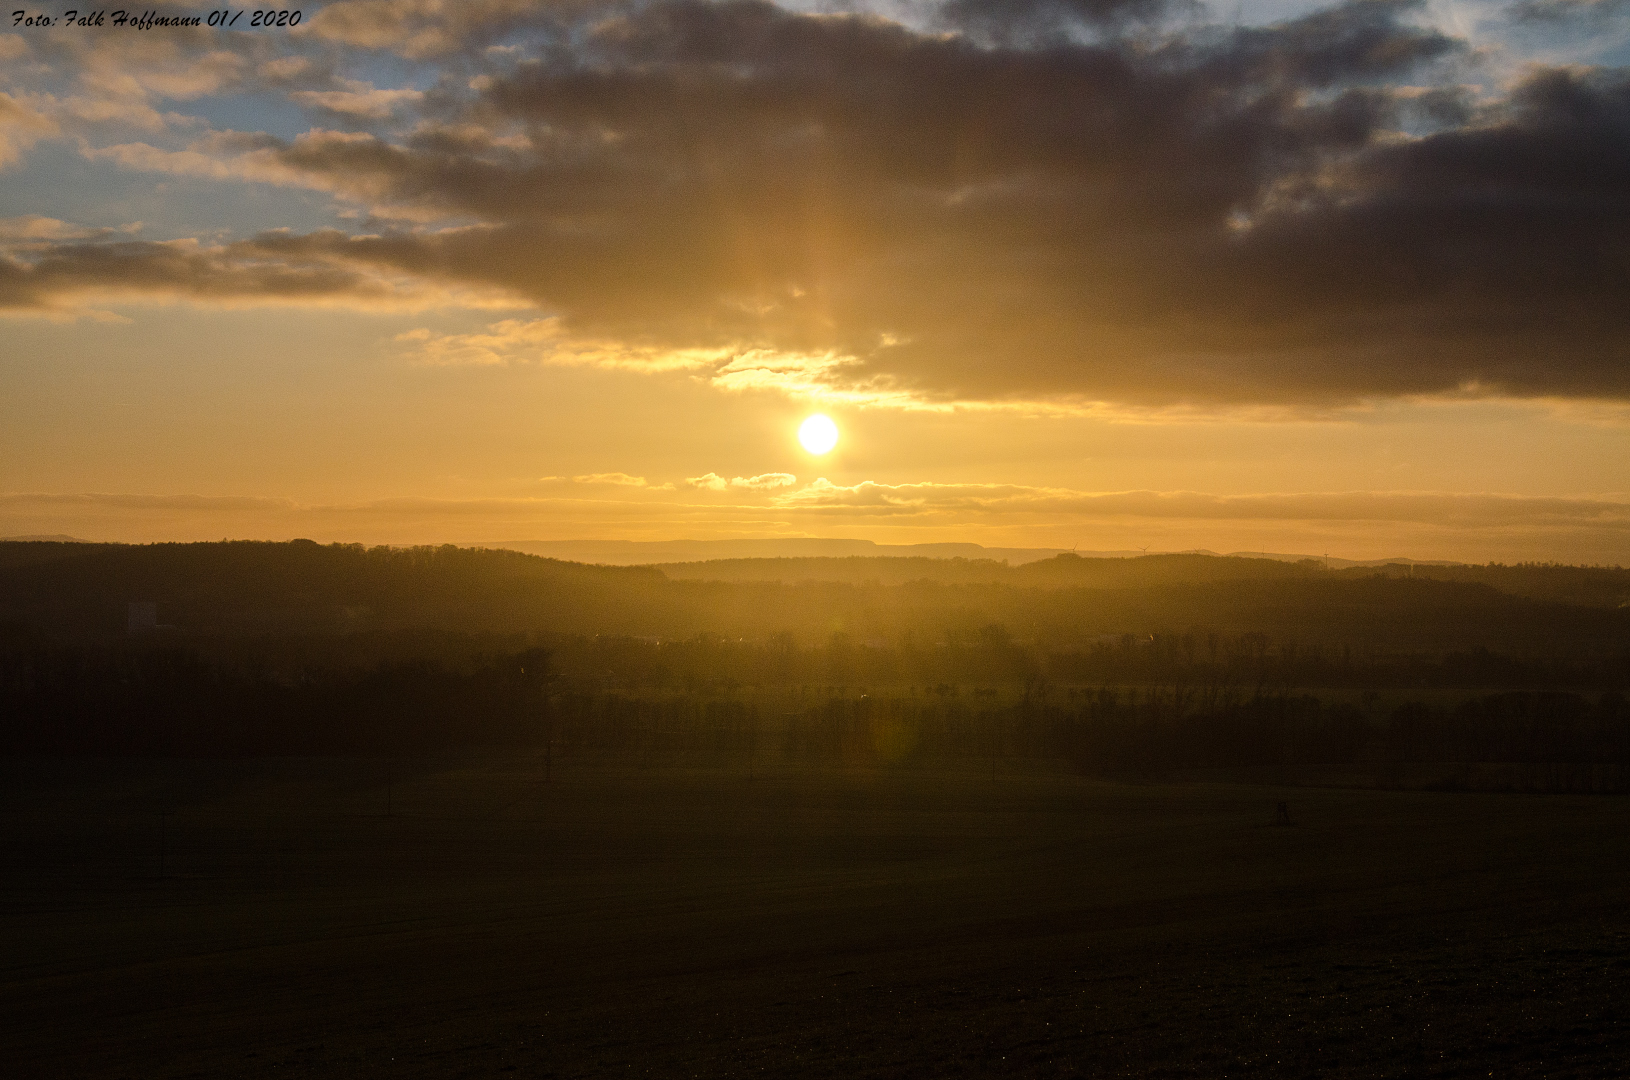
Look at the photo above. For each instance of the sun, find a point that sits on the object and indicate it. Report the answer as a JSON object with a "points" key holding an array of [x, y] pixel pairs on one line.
{"points": [[818, 434]]}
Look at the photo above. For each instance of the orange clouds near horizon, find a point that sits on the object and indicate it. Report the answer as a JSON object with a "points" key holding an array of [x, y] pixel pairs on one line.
{"points": [[1349, 275]]}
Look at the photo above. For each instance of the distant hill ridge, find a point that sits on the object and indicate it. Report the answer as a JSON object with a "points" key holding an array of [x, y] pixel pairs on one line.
{"points": [[642, 552], [1063, 570], [653, 552], [81, 591]]}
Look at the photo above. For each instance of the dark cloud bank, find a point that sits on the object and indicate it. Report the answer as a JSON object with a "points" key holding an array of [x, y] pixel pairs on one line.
{"points": [[1024, 200]]}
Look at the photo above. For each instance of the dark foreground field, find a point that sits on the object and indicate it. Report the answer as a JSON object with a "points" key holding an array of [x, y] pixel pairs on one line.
{"points": [[629, 920]]}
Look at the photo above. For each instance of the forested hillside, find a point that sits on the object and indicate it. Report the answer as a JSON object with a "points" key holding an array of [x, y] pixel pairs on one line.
{"points": [[73, 592], [270, 648]]}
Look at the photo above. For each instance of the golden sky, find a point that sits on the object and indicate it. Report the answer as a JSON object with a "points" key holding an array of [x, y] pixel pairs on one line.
{"points": [[1346, 278]]}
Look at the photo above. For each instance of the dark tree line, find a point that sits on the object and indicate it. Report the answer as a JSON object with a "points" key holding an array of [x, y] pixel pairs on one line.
{"points": [[171, 702], [990, 656], [174, 702], [1542, 740], [1154, 731]]}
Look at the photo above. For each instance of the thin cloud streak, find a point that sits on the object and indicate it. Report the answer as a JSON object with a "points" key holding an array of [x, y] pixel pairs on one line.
{"points": [[821, 496], [1474, 528], [1448, 509]]}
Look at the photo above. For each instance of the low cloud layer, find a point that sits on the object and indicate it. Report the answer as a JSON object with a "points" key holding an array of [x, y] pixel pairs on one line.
{"points": [[1364, 524], [762, 482], [50, 266], [1065, 201], [1445, 509]]}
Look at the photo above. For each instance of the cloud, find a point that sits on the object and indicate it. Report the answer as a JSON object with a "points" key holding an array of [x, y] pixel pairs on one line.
{"points": [[47, 276], [350, 164], [1357, 524], [187, 78], [284, 68], [765, 481], [1052, 22], [761, 482], [1445, 509], [826, 378], [545, 341], [20, 128], [871, 497], [420, 29], [358, 99], [157, 517], [616, 479], [1066, 202], [92, 81], [1566, 11], [17, 500], [708, 482], [33, 227]]}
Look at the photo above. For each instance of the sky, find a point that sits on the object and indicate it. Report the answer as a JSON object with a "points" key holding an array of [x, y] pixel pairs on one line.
{"points": [[1346, 278]]}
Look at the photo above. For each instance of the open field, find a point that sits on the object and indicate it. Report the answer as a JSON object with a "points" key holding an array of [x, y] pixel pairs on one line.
{"points": [[664, 921]]}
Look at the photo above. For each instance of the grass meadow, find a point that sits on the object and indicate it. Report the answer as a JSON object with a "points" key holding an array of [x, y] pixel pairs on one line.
{"points": [[637, 917]]}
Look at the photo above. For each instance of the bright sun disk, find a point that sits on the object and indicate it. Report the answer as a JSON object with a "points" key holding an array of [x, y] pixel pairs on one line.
{"points": [[818, 434]]}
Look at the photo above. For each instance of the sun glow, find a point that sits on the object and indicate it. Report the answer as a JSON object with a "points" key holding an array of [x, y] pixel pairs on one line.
{"points": [[818, 434]]}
